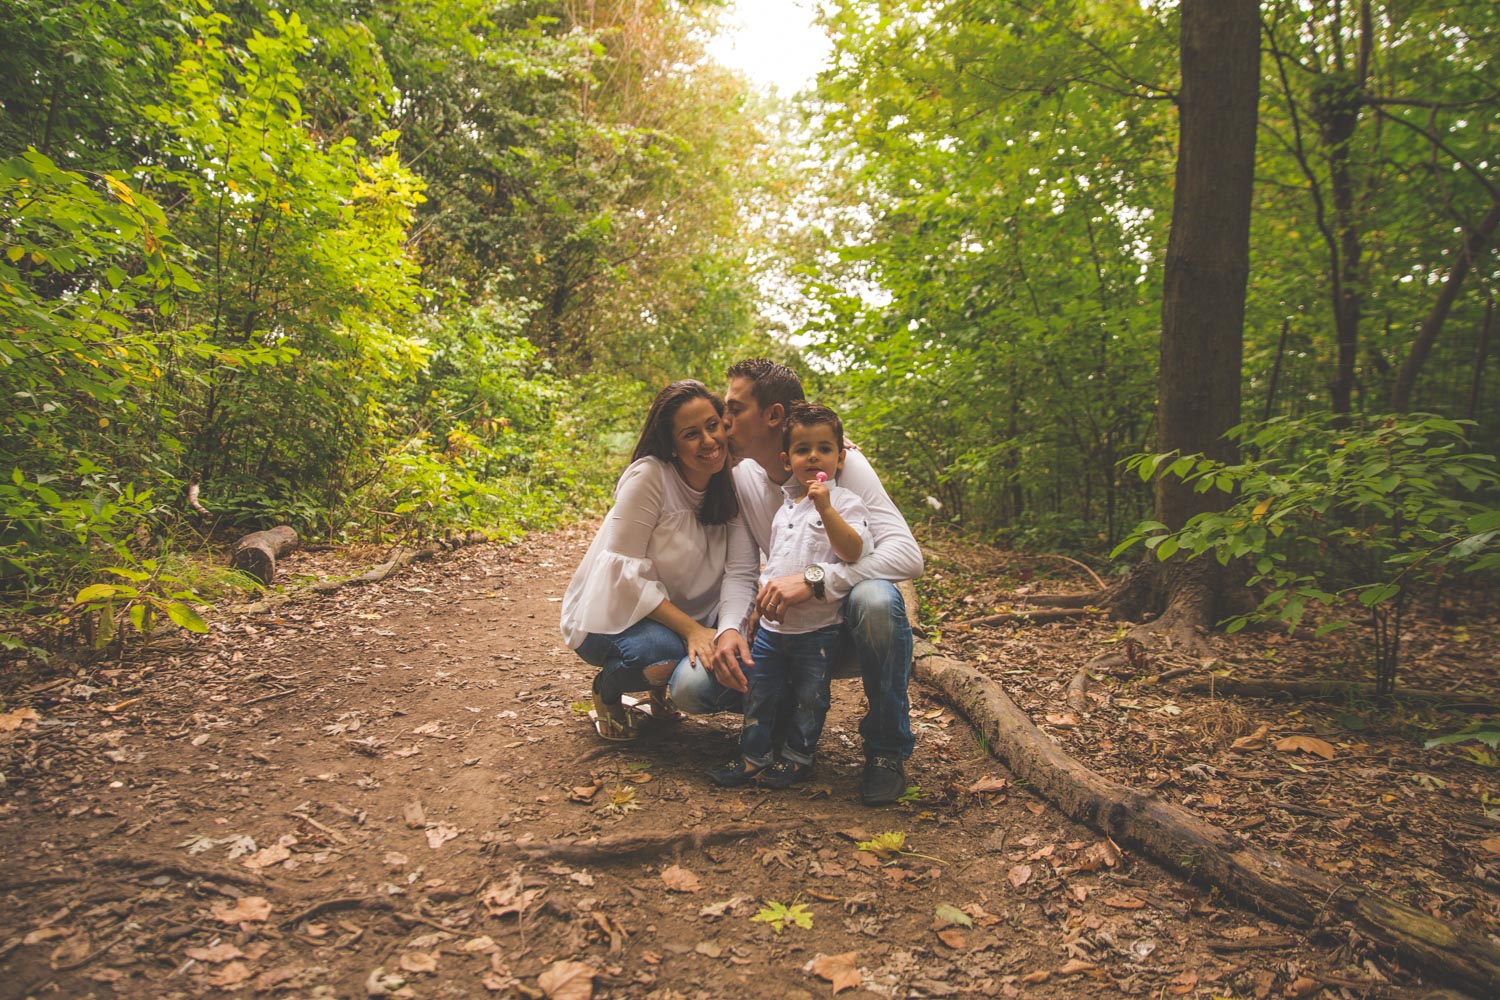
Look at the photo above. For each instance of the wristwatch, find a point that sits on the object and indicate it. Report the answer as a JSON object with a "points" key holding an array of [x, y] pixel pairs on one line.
{"points": [[814, 577]]}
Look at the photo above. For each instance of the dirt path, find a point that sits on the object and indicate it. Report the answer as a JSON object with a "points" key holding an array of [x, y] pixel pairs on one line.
{"points": [[338, 798]]}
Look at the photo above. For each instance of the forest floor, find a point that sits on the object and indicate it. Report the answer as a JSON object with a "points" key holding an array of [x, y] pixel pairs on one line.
{"points": [[387, 791]]}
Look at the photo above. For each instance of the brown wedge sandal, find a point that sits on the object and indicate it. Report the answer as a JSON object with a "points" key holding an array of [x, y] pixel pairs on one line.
{"points": [[614, 722]]}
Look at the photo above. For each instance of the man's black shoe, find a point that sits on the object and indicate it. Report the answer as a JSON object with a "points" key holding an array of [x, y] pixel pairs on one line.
{"points": [[883, 782]]}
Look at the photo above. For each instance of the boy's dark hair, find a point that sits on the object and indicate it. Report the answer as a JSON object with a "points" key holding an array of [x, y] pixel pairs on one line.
{"points": [[720, 504], [804, 414], [770, 383]]}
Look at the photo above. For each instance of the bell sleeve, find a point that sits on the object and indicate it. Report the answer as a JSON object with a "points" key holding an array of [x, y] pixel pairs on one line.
{"points": [[616, 585]]}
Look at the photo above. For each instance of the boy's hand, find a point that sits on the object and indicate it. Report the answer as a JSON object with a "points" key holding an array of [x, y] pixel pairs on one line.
{"points": [[817, 492]]}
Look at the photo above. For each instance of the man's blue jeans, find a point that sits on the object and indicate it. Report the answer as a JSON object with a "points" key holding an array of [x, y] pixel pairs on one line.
{"points": [[624, 657], [788, 694], [876, 631]]}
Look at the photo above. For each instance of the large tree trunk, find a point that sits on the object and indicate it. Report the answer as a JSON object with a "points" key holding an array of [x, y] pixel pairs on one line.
{"points": [[1207, 266]]}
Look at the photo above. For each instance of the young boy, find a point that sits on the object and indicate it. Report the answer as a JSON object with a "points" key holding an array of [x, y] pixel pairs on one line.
{"points": [[819, 523]]}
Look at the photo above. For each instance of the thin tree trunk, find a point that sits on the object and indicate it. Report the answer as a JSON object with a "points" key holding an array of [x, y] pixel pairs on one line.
{"points": [[1286, 328], [1208, 259], [1432, 326], [1480, 352]]}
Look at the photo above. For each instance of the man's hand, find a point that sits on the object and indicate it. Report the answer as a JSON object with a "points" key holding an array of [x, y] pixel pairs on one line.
{"points": [[780, 594], [731, 651]]}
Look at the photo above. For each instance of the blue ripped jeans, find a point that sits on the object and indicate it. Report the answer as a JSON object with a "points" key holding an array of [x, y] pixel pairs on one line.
{"points": [[877, 634], [788, 694], [622, 658]]}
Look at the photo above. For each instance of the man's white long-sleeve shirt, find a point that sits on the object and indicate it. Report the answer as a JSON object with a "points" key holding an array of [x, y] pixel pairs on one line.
{"points": [[799, 539], [891, 553]]}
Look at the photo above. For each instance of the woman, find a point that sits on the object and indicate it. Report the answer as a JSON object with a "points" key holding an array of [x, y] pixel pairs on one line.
{"points": [[648, 593]]}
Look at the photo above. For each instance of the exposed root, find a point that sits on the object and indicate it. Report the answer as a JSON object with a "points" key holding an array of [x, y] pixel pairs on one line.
{"points": [[341, 903], [610, 850], [1028, 617], [1078, 691], [151, 866]]}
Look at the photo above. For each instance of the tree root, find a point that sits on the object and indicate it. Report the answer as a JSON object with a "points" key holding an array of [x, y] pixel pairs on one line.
{"points": [[608, 850], [1078, 691], [341, 903], [151, 866], [1028, 617], [400, 558], [1335, 690], [1199, 850]]}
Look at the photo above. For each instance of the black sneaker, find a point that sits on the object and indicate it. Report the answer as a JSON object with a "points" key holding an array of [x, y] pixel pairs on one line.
{"points": [[734, 774], [883, 781], [785, 774]]}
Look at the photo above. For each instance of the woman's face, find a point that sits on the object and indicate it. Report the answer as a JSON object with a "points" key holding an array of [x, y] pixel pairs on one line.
{"points": [[699, 441]]}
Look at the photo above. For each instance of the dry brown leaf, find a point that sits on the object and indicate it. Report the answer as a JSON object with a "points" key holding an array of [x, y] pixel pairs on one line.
{"points": [[1123, 902], [1306, 744], [1490, 845], [215, 954], [1019, 875], [568, 981], [953, 938], [45, 933], [989, 783], [1184, 983], [1066, 720], [483, 944], [231, 975], [439, 834], [414, 815], [1302, 986], [272, 978], [710, 949], [840, 970], [394, 859], [1074, 966], [71, 951], [500, 900], [679, 879], [418, 961], [1039, 976], [585, 793], [118, 706], [10, 721], [247, 909], [1255, 741]]}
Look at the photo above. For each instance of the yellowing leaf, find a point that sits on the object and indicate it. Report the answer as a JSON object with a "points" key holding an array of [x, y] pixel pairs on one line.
{"points": [[1260, 509], [884, 844], [953, 915], [679, 879], [568, 981], [779, 915]]}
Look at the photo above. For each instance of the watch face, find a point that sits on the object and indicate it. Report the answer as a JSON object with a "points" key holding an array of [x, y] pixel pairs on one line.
{"points": [[813, 574]]}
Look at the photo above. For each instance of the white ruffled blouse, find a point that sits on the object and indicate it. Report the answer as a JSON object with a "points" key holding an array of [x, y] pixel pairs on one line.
{"points": [[651, 548]]}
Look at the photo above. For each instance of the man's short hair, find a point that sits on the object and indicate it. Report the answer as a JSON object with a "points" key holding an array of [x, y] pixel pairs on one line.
{"points": [[770, 383], [802, 414]]}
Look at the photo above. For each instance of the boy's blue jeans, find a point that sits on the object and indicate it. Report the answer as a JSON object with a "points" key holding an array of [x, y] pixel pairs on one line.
{"points": [[877, 633], [788, 694]]}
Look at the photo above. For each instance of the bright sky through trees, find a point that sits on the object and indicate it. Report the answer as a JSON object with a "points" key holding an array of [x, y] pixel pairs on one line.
{"points": [[774, 42]]}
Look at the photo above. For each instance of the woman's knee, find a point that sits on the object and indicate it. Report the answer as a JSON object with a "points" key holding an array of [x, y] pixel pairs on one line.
{"points": [[693, 689]]}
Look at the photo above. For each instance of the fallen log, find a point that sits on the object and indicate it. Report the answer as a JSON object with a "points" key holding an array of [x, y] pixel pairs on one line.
{"points": [[257, 552], [1199, 850]]}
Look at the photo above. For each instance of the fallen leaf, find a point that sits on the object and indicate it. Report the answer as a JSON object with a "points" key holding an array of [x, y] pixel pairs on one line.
{"points": [[989, 783], [1066, 720], [1306, 744], [1123, 902], [484, 944], [953, 938], [1255, 741], [680, 880], [1302, 986], [1019, 875], [1073, 966], [247, 909], [215, 954], [418, 961], [500, 900], [568, 981], [44, 933], [585, 793], [1039, 976], [10, 721], [71, 951], [840, 970], [272, 978], [273, 855], [709, 949], [231, 975], [1184, 983], [1490, 845], [440, 834], [952, 915], [394, 859], [414, 815], [729, 905]]}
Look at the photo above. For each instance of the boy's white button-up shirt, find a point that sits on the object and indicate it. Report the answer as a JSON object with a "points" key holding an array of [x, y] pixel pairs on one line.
{"points": [[798, 540]]}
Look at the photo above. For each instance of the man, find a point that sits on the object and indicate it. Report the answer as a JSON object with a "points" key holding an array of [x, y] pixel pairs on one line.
{"points": [[878, 633]]}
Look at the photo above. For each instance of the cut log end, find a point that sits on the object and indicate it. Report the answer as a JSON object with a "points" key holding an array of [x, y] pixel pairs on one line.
{"points": [[256, 553]]}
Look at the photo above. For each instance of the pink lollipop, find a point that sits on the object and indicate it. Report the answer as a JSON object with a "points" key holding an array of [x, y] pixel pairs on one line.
{"points": [[821, 477]]}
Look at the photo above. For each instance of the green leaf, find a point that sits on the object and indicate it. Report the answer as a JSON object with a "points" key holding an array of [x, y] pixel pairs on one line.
{"points": [[952, 915], [1487, 732], [186, 617], [97, 592], [779, 916]]}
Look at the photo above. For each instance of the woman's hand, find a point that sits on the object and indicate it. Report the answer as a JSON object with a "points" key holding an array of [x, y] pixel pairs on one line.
{"points": [[701, 643]]}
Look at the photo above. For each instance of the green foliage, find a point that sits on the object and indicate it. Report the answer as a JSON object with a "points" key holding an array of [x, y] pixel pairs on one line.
{"points": [[1486, 731], [1328, 510]]}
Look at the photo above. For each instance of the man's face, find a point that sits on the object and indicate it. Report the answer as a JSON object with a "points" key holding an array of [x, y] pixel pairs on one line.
{"points": [[749, 431]]}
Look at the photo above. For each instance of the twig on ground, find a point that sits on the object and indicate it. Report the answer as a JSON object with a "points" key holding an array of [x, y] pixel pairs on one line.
{"points": [[1078, 691], [341, 903], [268, 697], [605, 850]]}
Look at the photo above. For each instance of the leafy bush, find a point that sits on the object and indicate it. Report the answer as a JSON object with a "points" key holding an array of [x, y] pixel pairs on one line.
{"points": [[1325, 512]]}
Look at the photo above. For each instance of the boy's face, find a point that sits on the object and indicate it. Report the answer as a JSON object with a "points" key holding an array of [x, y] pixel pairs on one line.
{"points": [[813, 449]]}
